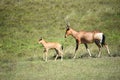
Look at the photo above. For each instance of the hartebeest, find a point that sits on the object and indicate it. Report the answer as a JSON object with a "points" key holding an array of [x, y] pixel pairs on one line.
{"points": [[51, 45], [84, 37]]}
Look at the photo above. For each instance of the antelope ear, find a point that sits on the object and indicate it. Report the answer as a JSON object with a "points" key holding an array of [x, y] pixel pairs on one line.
{"points": [[67, 27], [40, 38]]}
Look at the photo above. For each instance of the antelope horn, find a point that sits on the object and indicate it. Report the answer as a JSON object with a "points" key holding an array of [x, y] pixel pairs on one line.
{"points": [[68, 24]]}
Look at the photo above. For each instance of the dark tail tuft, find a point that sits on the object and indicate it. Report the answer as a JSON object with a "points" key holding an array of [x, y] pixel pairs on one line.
{"points": [[62, 47], [103, 40]]}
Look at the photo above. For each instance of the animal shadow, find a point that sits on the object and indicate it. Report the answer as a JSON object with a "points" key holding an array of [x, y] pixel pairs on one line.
{"points": [[86, 55]]}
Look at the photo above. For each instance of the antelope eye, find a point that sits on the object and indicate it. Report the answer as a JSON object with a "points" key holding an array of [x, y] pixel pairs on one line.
{"points": [[67, 29]]}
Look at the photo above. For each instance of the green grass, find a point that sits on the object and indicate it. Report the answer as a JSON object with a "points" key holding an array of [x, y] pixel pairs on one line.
{"points": [[23, 22], [78, 69]]}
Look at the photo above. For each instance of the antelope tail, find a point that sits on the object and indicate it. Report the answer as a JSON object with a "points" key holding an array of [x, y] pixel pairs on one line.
{"points": [[62, 47], [103, 40]]}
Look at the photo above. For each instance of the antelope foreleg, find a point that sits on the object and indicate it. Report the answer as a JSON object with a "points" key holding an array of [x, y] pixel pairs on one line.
{"points": [[77, 45], [86, 46], [89, 52]]}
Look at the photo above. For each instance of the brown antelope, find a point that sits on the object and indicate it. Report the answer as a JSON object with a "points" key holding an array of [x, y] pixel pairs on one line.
{"points": [[51, 45], [84, 37]]}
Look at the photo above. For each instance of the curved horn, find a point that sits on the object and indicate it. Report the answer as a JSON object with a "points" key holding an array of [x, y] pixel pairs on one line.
{"points": [[66, 20], [68, 24]]}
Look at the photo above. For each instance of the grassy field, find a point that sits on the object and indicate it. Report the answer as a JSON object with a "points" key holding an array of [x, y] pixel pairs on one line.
{"points": [[79, 69], [23, 22]]}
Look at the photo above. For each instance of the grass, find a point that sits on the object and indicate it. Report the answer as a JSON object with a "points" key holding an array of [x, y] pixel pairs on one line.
{"points": [[23, 22], [84, 69]]}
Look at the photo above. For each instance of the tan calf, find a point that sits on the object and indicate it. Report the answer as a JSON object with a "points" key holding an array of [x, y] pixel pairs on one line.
{"points": [[52, 45]]}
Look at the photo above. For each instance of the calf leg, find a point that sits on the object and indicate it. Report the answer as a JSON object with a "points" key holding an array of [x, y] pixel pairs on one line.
{"points": [[57, 54], [56, 57], [46, 56], [43, 56], [86, 46], [61, 54], [46, 53]]}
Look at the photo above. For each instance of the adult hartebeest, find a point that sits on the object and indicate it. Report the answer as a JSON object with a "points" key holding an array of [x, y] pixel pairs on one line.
{"points": [[85, 37]]}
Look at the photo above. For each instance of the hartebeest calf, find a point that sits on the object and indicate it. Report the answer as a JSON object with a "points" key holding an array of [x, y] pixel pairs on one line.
{"points": [[85, 37], [51, 45]]}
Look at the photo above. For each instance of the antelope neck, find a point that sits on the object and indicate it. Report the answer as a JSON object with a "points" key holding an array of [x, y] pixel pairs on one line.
{"points": [[74, 33]]}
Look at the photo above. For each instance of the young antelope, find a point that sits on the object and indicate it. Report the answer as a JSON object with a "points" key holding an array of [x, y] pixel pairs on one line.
{"points": [[51, 45]]}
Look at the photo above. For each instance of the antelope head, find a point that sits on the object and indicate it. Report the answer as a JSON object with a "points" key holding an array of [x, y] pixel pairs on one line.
{"points": [[40, 40], [68, 32]]}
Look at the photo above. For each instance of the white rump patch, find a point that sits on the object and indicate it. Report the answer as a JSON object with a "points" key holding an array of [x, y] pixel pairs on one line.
{"points": [[99, 36]]}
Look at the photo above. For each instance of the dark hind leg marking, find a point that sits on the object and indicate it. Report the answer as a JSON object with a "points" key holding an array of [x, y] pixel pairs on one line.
{"points": [[97, 42]]}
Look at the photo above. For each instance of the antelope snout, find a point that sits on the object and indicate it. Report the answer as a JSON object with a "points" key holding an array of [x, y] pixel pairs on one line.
{"points": [[39, 42]]}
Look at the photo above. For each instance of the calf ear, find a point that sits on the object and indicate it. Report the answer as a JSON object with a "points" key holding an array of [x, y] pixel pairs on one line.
{"points": [[40, 38]]}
